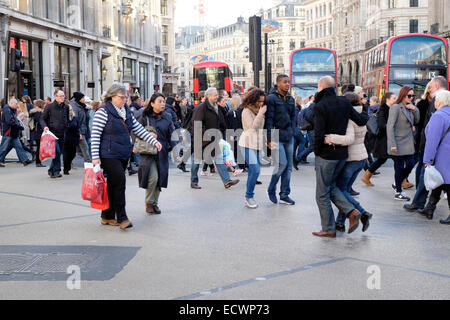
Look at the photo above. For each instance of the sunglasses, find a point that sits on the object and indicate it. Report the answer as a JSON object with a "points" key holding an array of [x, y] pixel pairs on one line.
{"points": [[410, 96]]}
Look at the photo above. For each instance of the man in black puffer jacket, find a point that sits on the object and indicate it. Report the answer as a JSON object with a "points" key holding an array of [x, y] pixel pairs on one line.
{"points": [[331, 116], [56, 119], [280, 116]]}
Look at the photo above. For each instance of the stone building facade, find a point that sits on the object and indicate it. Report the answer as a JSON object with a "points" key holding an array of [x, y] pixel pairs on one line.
{"points": [[85, 45]]}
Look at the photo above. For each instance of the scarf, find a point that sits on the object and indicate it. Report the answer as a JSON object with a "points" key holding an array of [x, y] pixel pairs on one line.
{"points": [[253, 109], [122, 112]]}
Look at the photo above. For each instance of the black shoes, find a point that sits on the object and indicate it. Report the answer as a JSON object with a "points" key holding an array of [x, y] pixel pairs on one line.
{"points": [[376, 173], [295, 164], [428, 211], [156, 210], [56, 175], [131, 171], [446, 221], [354, 193], [182, 167], [340, 227], [2, 166], [411, 207], [27, 163], [66, 173], [40, 165], [258, 182], [304, 162], [365, 221]]}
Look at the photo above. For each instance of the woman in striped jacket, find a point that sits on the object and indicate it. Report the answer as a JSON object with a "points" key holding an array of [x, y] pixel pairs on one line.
{"points": [[111, 147]]}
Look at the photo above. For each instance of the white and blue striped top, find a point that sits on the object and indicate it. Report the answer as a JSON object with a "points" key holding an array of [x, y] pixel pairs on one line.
{"points": [[100, 119]]}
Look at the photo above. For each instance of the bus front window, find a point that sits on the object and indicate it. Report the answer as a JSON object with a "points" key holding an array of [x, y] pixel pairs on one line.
{"points": [[418, 51]]}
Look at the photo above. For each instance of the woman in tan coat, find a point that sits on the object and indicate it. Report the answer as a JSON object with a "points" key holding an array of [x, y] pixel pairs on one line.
{"points": [[357, 156], [251, 141]]}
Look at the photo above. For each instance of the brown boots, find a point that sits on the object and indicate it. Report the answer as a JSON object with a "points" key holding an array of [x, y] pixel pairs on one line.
{"points": [[366, 178], [406, 184]]}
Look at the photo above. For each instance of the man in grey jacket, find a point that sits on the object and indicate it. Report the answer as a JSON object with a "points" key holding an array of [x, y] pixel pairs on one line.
{"points": [[82, 113]]}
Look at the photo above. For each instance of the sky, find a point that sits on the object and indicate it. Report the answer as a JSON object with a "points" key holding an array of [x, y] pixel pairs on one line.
{"points": [[218, 14]]}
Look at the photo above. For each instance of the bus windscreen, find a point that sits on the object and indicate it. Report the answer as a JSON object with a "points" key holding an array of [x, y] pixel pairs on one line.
{"points": [[313, 60], [211, 78], [418, 51]]}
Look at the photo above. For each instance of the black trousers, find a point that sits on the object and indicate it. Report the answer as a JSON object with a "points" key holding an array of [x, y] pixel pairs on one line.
{"points": [[38, 147], [115, 171], [69, 153], [436, 195], [377, 164]]}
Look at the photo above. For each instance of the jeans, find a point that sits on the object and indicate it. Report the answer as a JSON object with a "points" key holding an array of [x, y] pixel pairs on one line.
{"points": [[116, 182], [221, 169], [252, 160], [403, 166], [327, 191], [84, 147], [345, 182], [283, 168], [299, 145], [55, 167], [304, 155], [8, 144], [420, 198]]}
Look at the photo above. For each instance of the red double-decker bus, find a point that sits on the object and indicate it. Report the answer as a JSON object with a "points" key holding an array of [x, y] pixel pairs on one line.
{"points": [[412, 60], [308, 65], [211, 74]]}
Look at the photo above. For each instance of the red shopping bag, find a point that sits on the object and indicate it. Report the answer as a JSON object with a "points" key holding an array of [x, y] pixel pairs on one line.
{"points": [[105, 200], [48, 146], [93, 185]]}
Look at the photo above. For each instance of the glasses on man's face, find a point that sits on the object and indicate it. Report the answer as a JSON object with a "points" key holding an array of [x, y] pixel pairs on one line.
{"points": [[411, 96]]}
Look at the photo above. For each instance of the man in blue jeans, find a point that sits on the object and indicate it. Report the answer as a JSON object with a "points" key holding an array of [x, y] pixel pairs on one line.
{"points": [[280, 116], [11, 128], [331, 116], [209, 120]]}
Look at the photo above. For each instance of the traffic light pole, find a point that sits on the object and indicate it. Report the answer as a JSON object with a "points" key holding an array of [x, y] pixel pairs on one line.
{"points": [[266, 66]]}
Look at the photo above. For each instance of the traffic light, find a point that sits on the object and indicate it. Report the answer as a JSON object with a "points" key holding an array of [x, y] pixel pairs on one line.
{"points": [[255, 42], [16, 60]]}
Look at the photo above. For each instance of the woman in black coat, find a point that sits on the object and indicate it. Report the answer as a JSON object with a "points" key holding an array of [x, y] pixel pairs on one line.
{"points": [[35, 115], [380, 147], [153, 170], [71, 140]]}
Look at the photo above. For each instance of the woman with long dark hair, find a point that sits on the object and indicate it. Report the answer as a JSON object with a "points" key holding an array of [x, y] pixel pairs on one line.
{"points": [[380, 147], [251, 141], [403, 117], [153, 172]]}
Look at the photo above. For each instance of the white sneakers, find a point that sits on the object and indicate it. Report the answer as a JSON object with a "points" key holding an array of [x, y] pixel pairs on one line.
{"points": [[251, 203]]}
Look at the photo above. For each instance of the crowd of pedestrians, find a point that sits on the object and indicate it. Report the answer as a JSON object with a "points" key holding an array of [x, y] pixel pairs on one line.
{"points": [[338, 127]]}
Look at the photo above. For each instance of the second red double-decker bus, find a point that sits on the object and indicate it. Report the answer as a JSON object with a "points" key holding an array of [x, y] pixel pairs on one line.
{"points": [[412, 59], [211, 74], [308, 65]]}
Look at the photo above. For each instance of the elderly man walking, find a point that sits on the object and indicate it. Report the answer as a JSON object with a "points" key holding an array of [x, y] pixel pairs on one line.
{"points": [[207, 118], [332, 114], [11, 127]]}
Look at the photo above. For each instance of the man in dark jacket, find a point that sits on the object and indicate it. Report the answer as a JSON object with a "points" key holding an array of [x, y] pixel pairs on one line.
{"points": [[307, 123], [56, 119], [170, 104], [209, 127], [331, 115], [82, 114], [280, 116], [420, 198], [11, 127]]}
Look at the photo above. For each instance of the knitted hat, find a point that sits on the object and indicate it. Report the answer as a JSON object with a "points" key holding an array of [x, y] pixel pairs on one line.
{"points": [[78, 96]]}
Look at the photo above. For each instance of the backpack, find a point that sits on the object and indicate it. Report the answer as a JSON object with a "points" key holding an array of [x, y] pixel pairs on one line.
{"points": [[305, 118]]}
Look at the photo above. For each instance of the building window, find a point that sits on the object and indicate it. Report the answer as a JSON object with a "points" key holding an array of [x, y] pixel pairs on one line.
{"points": [[67, 68], [164, 8], [413, 26], [129, 70], [413, 3], [165, 35], [292, 26], [391, 28], [143, 80], [392, 3], [292, 45]]}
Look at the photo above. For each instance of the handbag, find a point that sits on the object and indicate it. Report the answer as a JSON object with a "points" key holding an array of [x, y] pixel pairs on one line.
{"points": [[372, 124], [142, 146]]}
